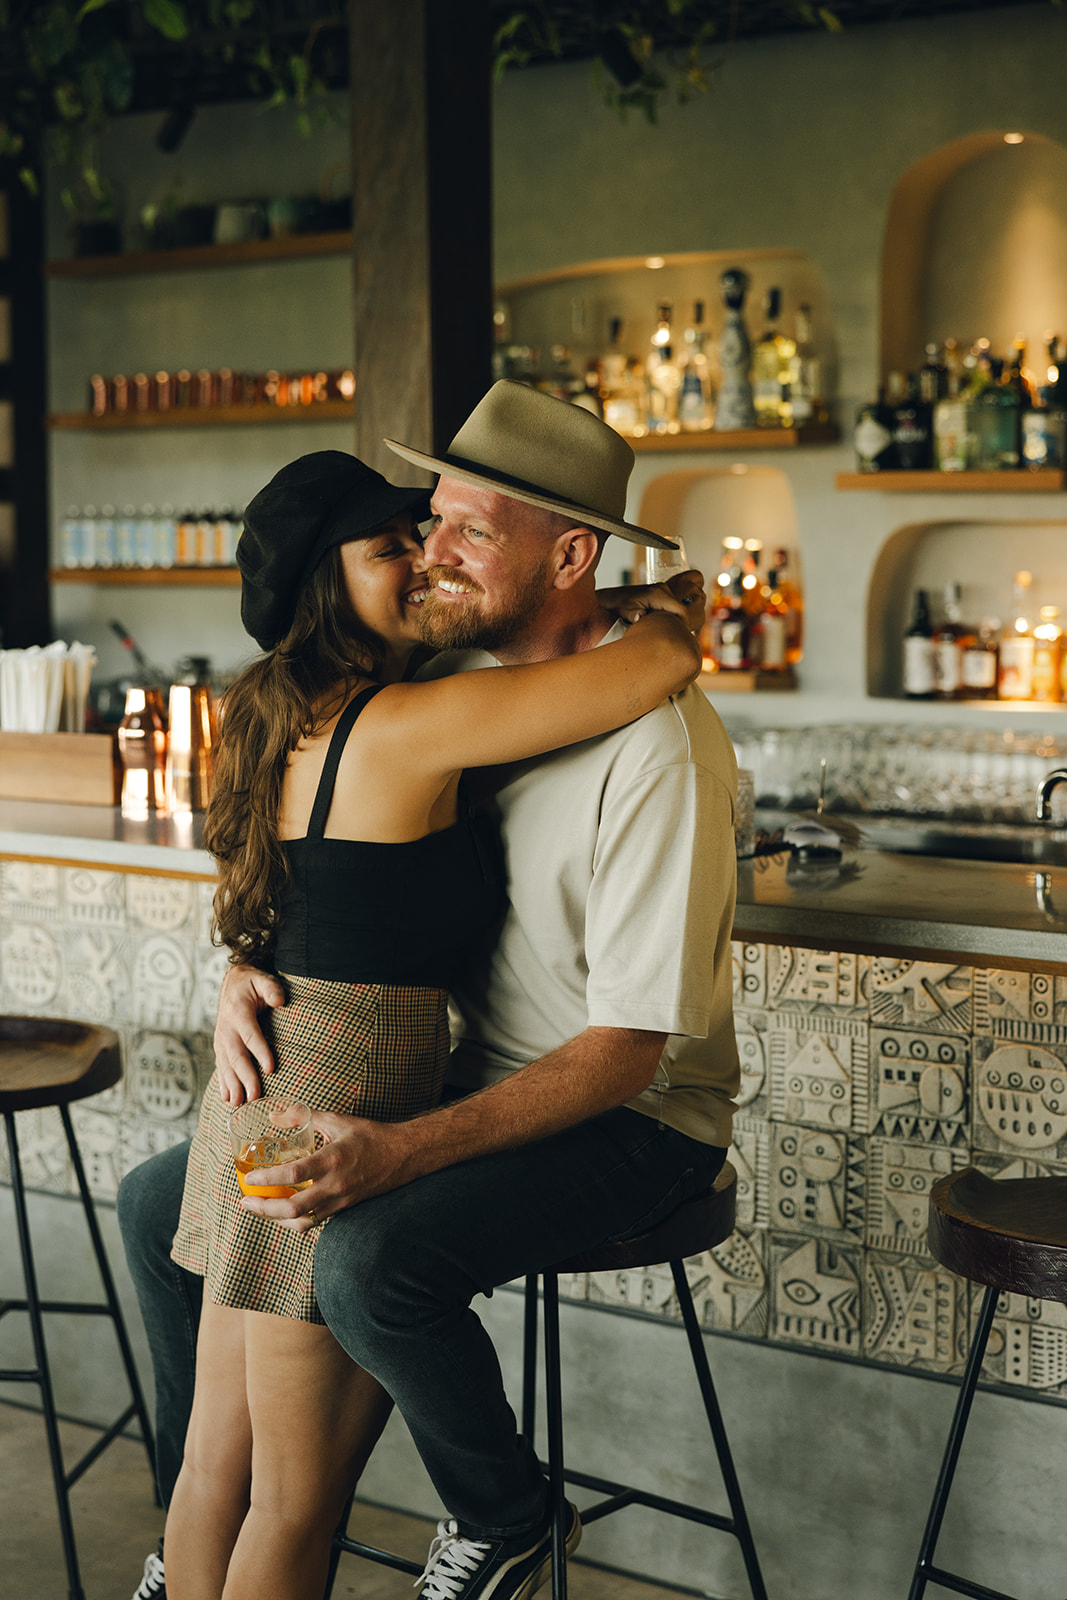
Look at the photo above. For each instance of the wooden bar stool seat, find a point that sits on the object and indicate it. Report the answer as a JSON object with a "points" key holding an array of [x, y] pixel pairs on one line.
{"points": [[1011, 1236], [696, 1226], [47, 1061]]}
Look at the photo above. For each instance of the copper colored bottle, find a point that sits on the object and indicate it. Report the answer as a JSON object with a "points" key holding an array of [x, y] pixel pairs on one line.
{"points": [[143, 752]]}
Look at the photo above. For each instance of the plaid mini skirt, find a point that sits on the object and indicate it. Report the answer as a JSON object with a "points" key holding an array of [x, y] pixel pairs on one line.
{"points": [[375, 1050]]}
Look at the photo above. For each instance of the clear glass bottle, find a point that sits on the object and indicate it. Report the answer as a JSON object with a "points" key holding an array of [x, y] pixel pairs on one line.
{"points": [[663, 376], [1015, 678], [695, 412], [785, 583], [767, 363], [802, 396], [919, 679], [1048, 656], [950, 638]]}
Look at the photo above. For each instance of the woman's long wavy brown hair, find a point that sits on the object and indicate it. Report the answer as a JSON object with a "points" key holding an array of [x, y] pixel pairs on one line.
{"points": [[285, 696]]}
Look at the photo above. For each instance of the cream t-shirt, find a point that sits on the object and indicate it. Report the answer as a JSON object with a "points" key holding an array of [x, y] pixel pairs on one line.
{"points": [[621, 877]]}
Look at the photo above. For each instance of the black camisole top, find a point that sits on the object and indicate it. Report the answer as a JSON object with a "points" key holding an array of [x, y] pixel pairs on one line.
{"points": [[356, 911]]}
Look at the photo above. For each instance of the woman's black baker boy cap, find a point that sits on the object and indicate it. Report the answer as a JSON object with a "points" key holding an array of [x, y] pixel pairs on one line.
{"points": [[321, 500]]}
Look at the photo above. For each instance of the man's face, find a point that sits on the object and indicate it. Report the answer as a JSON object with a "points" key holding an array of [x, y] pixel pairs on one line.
{"points": [[488, 560]]}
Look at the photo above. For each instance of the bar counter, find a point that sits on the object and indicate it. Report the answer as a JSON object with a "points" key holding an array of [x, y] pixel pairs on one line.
{"points": [[898, 1017]]}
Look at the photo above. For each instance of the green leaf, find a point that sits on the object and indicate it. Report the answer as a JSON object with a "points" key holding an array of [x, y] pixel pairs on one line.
{"points": [[168, 17], [90, 5]]}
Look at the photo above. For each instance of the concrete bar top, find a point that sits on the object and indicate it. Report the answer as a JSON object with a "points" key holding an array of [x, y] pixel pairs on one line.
{"points": [[872, 901], [978, 912], [102, 836]]}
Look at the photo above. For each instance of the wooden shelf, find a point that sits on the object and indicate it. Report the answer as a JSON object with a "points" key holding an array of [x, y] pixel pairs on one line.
{"points": [[292, 247], [151, 577], [739, 439], [205, 416], [1042, 480], [714, 682]]}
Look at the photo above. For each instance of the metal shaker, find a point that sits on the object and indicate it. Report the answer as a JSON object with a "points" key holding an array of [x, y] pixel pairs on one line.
{"points": [[191, 746]]}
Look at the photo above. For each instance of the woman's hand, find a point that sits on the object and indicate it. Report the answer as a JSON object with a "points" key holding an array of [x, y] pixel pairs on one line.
{"points": [[683, 596]]}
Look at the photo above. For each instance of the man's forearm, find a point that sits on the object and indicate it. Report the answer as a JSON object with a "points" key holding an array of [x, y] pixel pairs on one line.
{"points": [[594, 1072]]}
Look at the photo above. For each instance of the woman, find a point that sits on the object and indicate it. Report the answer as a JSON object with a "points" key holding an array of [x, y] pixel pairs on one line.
{"points": [[348, 860]]}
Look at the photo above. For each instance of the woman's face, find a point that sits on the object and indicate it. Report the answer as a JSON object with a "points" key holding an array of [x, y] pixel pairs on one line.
{"points": [[385, 581]]}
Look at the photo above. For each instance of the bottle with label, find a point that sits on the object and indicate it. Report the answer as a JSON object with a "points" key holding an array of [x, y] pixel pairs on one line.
{"points": [[1048, 656], [912, 424], [727, 624], [784, 584], [1015, 679], [932, 377], [997, 407], [980, 661], [802, 397], [767, 364], [734, 408], [873, 436], [950, 639], [621, 393], [919, 680], [663, 376], [694, 400]]}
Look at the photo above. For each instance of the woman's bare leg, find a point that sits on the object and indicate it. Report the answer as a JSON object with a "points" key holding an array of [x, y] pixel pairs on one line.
{"points": [[316, 1417], [210, 1499]]}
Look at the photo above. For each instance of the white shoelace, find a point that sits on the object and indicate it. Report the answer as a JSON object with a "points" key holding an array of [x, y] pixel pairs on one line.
{"points": [[152, 1583], [450, 1563]]}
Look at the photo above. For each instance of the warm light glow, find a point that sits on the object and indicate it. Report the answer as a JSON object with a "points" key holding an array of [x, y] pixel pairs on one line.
{"points": [[749, 581], [1021, 625], [1013, 138], [723, 580], [739, 468], [662, 335], [655, 262], [734, 543]]}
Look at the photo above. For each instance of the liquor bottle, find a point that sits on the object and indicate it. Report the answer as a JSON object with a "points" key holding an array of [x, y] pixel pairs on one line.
{"points": [[873, 436], [1048, 656], [997, 407], [950, 639], [802, 397], [774, 626], [932, 377], [727, 624], [126, 537], [734, 408], [663, 377], [694, 400], [1044, 426], [919, 679], [980, 661], [788, 590], [767, 363], [621, 392], [912, 424], [1015, 679], [954, 437]]}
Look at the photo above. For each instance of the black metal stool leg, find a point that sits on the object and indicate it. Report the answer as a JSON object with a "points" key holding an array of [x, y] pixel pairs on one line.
{"points": [[718, 1431], [43, 1375], [554, 1404], [924, 1570], [114, 1309], [529, 1359]]}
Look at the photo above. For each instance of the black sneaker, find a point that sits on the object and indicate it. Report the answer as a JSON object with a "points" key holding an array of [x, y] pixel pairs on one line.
{"points": [[477, 1569]]}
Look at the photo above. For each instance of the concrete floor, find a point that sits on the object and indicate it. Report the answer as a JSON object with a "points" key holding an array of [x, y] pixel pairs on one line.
{"points": [[116, 1525]]}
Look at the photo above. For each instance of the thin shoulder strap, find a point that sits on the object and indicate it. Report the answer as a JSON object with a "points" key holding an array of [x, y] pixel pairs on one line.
{"points": [[324, 794]]}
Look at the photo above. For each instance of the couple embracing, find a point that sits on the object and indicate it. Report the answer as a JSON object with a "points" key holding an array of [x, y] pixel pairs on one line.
{"points": [[549, 845]]}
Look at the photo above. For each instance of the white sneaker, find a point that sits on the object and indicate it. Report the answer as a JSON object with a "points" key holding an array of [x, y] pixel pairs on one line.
{"points": [[152, 1585]]}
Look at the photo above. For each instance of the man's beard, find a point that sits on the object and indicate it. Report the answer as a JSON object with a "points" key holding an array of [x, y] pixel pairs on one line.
{"points": [[474, 624]]}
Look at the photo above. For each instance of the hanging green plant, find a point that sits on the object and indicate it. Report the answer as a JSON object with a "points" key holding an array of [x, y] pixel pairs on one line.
{"points": [[68, 67]]}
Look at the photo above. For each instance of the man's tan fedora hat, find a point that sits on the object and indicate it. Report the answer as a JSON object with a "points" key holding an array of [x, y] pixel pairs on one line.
{"points": [[545, 452]]}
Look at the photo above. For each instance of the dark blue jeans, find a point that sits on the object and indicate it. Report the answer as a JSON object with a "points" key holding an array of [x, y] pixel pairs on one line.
{"points": [[149, 1204], [395, 1277]]}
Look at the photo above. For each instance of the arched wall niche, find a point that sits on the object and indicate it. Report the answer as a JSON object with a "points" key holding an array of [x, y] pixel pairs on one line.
{"points": [[976, 245], [704, 506], [981, 556]]}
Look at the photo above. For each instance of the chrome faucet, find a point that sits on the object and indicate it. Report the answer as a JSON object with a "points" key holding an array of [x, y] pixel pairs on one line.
{"points": [[1044, 792]]}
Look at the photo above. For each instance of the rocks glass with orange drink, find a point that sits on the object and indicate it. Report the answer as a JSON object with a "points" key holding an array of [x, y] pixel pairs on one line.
{"points": [[268, 1133]]}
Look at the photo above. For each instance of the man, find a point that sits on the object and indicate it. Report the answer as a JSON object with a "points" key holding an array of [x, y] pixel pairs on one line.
{"points": [[596, 1047]]}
